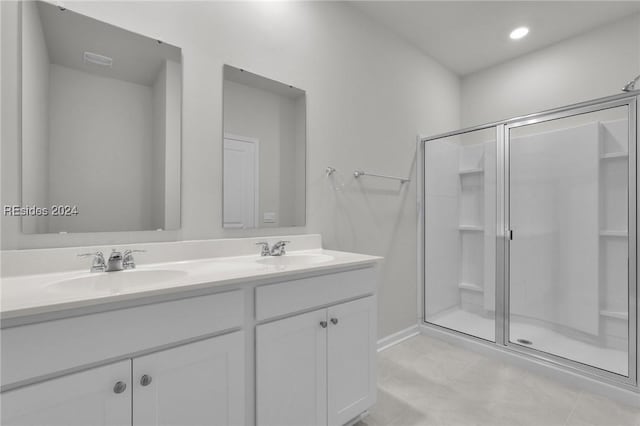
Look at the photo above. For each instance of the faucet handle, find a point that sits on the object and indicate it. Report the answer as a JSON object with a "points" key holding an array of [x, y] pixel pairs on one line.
{"points": [[129, 251], [127, 258], [97, 254], [278, 248], [264, 251], [98, 264]]}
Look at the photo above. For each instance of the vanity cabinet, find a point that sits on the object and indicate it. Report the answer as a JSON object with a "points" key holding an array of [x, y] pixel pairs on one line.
{"points": [[200, 383], [317, 368], [79, 399], [294, 349]]}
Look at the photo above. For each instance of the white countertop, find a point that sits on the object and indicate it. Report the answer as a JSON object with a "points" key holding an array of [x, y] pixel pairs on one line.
{"points": [[26, 295]]}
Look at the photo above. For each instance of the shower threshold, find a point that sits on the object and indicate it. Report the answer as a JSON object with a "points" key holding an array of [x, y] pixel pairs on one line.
{"points": [[542, 339]]}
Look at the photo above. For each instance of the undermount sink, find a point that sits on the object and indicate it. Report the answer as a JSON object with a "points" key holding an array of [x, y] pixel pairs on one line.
{"points": [[296, 259], [115, 282]]}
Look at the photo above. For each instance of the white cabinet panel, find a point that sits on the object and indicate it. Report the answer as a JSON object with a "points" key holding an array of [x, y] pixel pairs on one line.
{"points": [[201, 383], [307, 293], [86, 398], [82, 340], [291, 371], [351, 359]]}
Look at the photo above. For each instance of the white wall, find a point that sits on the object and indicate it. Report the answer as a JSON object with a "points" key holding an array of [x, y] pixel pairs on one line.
{"points": [[300, 161], [100, 151], [158, 149], [368, 95], [288, 167], [35, 134], [165, 168], [173, 133], [592, 65]]}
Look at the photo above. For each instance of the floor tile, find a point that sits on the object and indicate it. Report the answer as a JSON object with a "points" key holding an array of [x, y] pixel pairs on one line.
{"points": [[424, 381]]}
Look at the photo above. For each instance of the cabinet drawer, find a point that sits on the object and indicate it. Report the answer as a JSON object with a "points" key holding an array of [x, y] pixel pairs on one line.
{"points": [[39, 349], [299, 295]]}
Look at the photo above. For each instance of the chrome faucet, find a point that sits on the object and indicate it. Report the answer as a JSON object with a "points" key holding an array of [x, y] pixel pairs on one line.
{"points": [[117, 261], [98, 264], [278, 248]]}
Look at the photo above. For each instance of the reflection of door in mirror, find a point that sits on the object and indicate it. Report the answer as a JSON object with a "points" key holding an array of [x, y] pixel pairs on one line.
{"points": [[241, 183], [275, 114]]}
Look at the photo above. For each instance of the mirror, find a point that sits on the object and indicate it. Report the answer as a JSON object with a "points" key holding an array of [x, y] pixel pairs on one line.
{"points": [[101, 125], [264, 152]]}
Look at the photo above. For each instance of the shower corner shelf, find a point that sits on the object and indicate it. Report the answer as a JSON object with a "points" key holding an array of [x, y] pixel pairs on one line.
{"points": [[470, 171], [470, 287], [615, 314], [609, 233], [611, 155], [471, 228]]}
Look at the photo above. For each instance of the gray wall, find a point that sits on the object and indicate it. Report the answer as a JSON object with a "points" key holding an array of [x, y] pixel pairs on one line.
{"points": [[368, 95], [158, 149], [35, 101], [173, 132], [592, 65]]}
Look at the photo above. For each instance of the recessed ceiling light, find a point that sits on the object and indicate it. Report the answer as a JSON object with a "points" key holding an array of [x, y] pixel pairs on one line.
{"points": [[518, 33]]}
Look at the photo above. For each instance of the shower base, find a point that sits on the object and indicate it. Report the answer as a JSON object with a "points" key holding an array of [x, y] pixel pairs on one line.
{"points": [[541, 338]]}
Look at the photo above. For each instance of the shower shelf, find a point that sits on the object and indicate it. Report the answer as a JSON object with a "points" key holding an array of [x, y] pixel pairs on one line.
{"points": [[607, 233], [470, 287], [471, 171], [615, 314], [471, 228], [611, 155]]}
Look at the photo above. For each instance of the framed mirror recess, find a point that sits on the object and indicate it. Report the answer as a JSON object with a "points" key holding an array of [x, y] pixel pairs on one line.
{"points": [[264, 152], [101, 125]]}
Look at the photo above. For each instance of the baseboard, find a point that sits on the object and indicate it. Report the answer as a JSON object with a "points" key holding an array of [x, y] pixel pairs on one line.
{"points": [[546, 369], [397, 337]]}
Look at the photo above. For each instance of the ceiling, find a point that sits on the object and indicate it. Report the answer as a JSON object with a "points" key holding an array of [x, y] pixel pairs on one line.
{"points": [[68, 35], [467, 36]]}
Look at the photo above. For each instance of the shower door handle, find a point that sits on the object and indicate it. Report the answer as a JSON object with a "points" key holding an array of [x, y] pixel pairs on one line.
{"points": [[510, 233]]}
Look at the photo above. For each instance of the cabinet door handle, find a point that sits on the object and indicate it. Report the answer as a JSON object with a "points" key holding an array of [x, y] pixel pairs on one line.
{"points": [[119, 387], [145, 380], [334, 321], [323, 324]]}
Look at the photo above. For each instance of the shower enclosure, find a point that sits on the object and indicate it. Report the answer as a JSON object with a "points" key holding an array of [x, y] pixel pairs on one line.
{"points": [[529, 235]]}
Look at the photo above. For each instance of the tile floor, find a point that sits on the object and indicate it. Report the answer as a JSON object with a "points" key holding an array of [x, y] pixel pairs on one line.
{"points": [[424, 381]]}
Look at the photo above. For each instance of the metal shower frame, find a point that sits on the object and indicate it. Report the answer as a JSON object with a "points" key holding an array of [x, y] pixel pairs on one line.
{"points": [[502, 342]]}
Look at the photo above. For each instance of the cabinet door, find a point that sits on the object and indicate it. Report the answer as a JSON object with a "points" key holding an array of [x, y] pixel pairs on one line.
{"points": [[351, 359], [201, 383], [291, 371], [87, 398]]}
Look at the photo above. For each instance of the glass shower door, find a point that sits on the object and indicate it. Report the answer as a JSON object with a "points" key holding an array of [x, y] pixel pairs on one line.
{"points": [[460, 231], [568, 212]]}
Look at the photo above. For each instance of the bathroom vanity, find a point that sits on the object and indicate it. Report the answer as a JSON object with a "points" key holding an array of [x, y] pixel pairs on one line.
{"points": [[235, 340]]}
